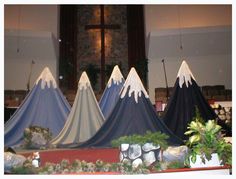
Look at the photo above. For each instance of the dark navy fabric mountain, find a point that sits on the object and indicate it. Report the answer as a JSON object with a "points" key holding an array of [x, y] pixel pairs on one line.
{"points": [[181, 107], [133, 114], [111, 93], [44, 106]]}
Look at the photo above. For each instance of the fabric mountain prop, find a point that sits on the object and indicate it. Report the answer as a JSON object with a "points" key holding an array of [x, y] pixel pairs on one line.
{"points": [[181, 107], [133, 114], [111, 93], [85, 117], [44, 106]]}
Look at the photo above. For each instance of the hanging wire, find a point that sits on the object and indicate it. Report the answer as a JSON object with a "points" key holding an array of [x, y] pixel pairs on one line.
{"points": [[18, 29], [180, 30]]}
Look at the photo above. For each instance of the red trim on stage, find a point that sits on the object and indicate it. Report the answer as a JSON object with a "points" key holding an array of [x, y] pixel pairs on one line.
{"points": [[110, 155], [92, 173], [194, 169]]}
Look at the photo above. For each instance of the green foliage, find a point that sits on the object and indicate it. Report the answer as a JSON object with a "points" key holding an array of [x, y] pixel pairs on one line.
{"points": [[66, 68], [28, 134], [175, 164], [205, 139], [164, 165], [92, 71], [77, 166], [142, 68], [26, 168], [157, 138], [109, 68], [198, 116]]}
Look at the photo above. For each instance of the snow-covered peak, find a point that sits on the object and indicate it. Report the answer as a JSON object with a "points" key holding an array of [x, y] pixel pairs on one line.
{"points": [[47, 78], [134, 84], [116, 77], [185, 74], [83, 81]]}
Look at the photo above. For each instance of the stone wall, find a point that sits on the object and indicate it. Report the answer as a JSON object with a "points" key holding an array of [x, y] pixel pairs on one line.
{"points": [[116, 47]]}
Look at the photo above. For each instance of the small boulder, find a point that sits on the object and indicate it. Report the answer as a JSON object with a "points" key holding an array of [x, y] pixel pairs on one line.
{"points": [[12, 160], [175, 153]]}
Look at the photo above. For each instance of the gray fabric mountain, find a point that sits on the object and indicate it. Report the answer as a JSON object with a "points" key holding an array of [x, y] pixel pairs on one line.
{"points": [[85, 117]]}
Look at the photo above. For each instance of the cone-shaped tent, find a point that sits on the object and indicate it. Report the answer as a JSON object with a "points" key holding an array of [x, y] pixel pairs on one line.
{"points": [[85, 117], [181, 107], [111, 93], [44, 106], [133, 114]]}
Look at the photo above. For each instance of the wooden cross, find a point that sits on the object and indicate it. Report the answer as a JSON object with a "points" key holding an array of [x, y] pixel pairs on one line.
{"points": [[102, 26]]}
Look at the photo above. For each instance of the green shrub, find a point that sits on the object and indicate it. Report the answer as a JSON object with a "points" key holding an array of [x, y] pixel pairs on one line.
{"points": [[156, 138]]}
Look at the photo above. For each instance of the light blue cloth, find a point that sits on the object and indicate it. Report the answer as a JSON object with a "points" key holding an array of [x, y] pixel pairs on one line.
{"points": [[109, 98], [46, 107]]}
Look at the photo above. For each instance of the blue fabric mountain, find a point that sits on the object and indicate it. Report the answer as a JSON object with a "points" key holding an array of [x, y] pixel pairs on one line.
{"points": [[44, 106], [133, 114], [111, 93]]}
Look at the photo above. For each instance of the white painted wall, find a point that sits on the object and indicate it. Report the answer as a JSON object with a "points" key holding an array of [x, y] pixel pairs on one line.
{"points": [[34, 30], [159, 17], [17, 77], [206, 35], [207, 70], [32, 17], [38, 46]]}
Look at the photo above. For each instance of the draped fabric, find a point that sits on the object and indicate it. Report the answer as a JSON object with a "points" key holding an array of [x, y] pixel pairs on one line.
{"points": [[84, 119], [127, 118], [110, 95], [133, 114], [181, 107], [46, 108], [136, 40], [110, 98]]}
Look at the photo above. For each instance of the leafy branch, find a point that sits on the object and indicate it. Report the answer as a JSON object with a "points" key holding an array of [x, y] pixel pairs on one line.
{"points": [[157, 138]]}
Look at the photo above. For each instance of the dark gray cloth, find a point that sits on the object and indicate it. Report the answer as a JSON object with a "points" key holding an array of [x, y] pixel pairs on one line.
{"points": [[181, 107]]}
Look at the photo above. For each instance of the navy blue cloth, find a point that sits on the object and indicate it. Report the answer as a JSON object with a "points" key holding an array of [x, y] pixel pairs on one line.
{"points": [[127, 118], [181, 107], [46, 107], [109, 98]]}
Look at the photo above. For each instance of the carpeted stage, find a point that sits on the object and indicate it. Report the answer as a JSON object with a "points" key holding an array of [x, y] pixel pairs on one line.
{"points": [[110, 155]]}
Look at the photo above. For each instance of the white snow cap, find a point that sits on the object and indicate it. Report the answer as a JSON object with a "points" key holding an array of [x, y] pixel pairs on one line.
{"points": [[135, 85], [184, 74], [116, 76], [83, 81], [47, 78]]}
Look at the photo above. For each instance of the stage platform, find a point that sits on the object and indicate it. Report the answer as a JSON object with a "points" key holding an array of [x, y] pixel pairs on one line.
{"points": [[110, 155]]}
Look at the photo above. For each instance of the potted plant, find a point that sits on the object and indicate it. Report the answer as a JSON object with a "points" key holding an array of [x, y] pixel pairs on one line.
{"points": [[207, 145]]}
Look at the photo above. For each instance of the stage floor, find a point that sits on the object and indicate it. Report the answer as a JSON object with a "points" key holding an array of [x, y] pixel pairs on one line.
{"points": [[110, 155]]}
